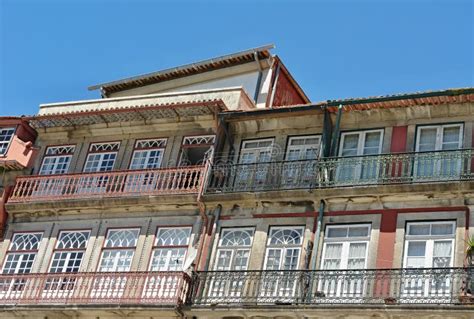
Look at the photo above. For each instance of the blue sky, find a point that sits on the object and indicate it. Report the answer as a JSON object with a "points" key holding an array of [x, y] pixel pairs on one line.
{"points": [[51, 51]]}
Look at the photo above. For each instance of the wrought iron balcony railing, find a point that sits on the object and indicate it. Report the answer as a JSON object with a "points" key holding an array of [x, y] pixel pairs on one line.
{"points": [[164, 181], [382, 169], [332, 287], [131, 288]]}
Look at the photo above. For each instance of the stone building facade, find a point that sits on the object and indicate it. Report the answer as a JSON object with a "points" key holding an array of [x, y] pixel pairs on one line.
{"points": [[218, 190]]}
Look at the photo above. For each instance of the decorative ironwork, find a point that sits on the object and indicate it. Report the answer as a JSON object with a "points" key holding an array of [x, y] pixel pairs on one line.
{"points": [[185, 180], [25, 241], [104, 147], [198, 140], [121, 238], [76, 239], [383, 169], [151, 143], [173, 236], [60, 150], [333, 287], [131, 288]]}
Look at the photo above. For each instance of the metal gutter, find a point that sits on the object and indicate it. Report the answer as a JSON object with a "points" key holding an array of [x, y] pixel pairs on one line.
{"points": [[183, 67], [448, 92]]}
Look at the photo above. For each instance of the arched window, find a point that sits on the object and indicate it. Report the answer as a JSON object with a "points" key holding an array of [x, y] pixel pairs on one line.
{"points": [[234, 249], [284, 248], [169, 251]]}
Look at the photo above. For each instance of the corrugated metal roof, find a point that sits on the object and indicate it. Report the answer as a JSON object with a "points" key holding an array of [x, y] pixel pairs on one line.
{"points": [[455, 95], [135, 112], [185, 70]]}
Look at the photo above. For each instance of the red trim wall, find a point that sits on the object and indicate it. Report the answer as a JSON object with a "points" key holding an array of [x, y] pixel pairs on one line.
{"points": [[399, 139]]}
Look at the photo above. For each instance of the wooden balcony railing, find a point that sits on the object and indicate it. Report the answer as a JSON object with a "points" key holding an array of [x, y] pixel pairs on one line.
{"points": [[381, 169], [428, 286], [165, 181], [131, 288]]}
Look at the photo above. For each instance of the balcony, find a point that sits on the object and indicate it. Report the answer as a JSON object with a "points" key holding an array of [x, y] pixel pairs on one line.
{"points": [[334, 287], [129, 288], [383, 169], [167, 181]]}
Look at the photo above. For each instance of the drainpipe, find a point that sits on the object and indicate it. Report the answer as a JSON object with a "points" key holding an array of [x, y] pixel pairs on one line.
{"points": [[314, 255], [259, 79], [217, 215], [3, 211], [202, 212], [317, 235], [335, 135]]}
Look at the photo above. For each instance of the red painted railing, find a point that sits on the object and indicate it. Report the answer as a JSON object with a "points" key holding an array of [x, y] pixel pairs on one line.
{"points": [[131, 288], [132, 182]]}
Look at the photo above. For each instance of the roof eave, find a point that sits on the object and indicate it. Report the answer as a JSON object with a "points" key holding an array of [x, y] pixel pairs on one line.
{"points": [[182, 67]]}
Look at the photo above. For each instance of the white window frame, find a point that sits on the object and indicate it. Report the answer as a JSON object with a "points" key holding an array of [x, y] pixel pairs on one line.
{"points": [[101, 154], [194, 141], [146, 150], [360, 144], [441, 286], [22, 252], [439, 135], [360, 159], [6, 142], [303, 148], [346, 242], [56, 158], [68, 250], [429, 242], [244, 150], [169, 249], [233, 249], [284, 248], [119, 249]]}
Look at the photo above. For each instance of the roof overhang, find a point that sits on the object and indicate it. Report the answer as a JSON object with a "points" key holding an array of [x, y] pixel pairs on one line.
{"points": [[129, 113], [449, 96], [224, 61]]}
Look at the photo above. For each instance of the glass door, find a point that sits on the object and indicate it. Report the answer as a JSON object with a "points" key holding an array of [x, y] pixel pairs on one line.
{"points": [[233, 254], [253, 168], [355, 163], [282, 258], [428, 245], [300, 169], [345, 248], [430, 162]]}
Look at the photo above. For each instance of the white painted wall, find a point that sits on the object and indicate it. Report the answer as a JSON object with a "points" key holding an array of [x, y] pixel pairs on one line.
{"points": [[248, 81]]}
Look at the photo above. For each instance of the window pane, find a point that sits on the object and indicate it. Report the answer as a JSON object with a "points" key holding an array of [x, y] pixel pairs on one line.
{"points": [[236, 237], [173, 236], [427, 139], [451, 138], [6, 135], [350, 145], [332, 256], [358, 231], [419, 229], [334, 232], [223, 259], [442, 251], [442, 229], [274, 259], [372, 143], [121, 238], [416, 248], [285, 236]]}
